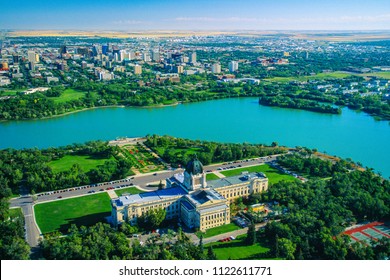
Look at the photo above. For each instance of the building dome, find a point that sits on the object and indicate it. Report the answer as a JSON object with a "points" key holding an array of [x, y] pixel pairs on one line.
{"points": [[194, 167]]}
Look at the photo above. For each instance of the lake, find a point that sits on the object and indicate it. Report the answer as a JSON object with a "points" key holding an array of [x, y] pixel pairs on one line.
{"points": [[349, 135]]}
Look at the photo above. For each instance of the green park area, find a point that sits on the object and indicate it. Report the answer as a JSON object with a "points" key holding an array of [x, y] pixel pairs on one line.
{"points": [[10, 92], [237, 249], [319, 76], [272, 174], [69, 95], [142, 160], [218, 230], [15, 212], [87, 163], [383, 75], [211, 176], [131, 190], [85, 210]]}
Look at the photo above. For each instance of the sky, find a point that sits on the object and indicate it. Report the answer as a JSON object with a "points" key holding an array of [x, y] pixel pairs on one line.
{"points": [[128, 15]]}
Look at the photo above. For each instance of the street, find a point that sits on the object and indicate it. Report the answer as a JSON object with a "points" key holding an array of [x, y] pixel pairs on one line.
{"points": [[140, 181]]}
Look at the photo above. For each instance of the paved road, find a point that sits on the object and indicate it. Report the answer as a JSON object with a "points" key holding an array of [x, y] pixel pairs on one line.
{"points": [[142, 181], [31, 229]]}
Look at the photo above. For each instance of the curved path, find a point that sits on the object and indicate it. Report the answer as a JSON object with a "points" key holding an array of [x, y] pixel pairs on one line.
{"points": [[142, 181]]}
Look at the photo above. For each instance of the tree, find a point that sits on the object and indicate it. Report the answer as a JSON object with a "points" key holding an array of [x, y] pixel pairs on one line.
{"points": [[251, 235], [286, 248], [160, 185], [152, 219], [211, 254]]}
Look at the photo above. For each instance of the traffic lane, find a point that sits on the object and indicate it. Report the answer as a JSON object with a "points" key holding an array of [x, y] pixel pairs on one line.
{"points": [[20, 201], [143, 181]]}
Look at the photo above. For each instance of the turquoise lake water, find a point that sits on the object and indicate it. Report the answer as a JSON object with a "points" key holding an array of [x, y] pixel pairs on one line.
{"points": [[349, 135]]}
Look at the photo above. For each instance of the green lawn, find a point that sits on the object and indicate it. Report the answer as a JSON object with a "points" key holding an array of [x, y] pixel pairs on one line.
{"points": [[272, 174], [319, 76], [85, 210], [8, 92], [15, 212], [384, 75], [69, 95], [218, 230], [238, 250], [86, 162], [131, 190], [211, 176]]}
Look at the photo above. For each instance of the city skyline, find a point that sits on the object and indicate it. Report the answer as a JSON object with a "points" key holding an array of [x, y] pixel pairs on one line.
{"points": [[200, 15]]}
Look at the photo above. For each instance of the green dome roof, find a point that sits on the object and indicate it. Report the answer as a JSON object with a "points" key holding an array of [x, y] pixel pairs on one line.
{"points": [[194, 167]]}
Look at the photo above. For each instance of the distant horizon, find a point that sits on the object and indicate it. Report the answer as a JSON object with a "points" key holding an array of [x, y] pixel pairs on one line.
{"points": [[199, 15], [196, 30]]}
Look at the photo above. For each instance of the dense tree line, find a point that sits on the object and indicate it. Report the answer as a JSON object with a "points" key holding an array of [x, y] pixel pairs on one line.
{"points": [[319, 211], [372, 105], [131, 93], [304, 162], [101, 242], [176, 150], [297, 103], [12, 243], [29, 169]]}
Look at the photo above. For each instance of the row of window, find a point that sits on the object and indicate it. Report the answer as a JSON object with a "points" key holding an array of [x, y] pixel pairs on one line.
{"points": [[213, 217], [168, 206], [212, 224]]}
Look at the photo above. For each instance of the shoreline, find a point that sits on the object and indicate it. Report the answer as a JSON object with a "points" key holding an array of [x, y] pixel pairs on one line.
{"points": [[92, 108]]}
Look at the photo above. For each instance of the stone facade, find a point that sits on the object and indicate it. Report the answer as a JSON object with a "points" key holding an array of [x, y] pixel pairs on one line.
{"points": [[198, 204]]}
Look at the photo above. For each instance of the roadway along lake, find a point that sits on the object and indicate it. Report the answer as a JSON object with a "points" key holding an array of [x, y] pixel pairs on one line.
{"points": [[350, 135]]}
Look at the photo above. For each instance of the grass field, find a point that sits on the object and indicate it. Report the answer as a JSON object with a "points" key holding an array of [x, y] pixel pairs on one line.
{"points": [[384, 75], [15, 212], [272, 174], [86, 162], [319, 76], [211, 176], [238, 250], [68, 95], [85, 210], [131, 190], [10, 92], [218, 230]]}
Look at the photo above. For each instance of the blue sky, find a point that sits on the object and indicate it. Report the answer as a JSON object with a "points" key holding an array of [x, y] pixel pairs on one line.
{"points": [[196, 14]]}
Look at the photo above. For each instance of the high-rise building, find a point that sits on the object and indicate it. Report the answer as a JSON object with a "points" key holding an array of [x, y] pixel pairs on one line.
{"points": [[193, 58], [105, 49], [156, 55], [32, 57], [146, 57], [137, 69], [96, 50], [15, 58], [131, 55], [63, 49], [233, 66], [178, 69], [216, 68]]}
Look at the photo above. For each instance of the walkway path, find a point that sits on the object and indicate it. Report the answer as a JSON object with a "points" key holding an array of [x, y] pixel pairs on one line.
{"points": [[112, 194], [215, 238], [220, 175]]}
